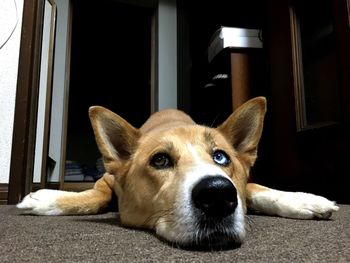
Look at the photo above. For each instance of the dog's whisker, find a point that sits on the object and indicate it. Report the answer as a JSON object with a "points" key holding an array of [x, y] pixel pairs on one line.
{"points": [[213, 122], [249, 222], [156, 216]]}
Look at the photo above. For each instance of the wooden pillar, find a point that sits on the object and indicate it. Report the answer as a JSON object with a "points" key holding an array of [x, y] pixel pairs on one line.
{"points": [[240, 78]]}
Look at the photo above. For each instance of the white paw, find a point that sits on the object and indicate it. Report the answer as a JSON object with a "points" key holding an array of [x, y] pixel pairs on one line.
{"points": [[42, 202], [305, 206]]}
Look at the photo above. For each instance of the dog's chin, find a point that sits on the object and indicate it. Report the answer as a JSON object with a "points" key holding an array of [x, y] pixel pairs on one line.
{"points": [[215, 234], [216, 242], [209, 234]]}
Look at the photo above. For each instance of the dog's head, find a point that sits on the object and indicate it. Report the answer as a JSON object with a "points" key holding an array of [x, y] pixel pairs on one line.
{"points": [[185, 181]]}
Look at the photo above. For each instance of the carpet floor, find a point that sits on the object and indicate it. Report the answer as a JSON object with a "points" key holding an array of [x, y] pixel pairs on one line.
{"points": [[100, 238]]}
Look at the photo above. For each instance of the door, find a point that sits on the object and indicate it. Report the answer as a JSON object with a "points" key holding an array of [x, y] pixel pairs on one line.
{"points": [[41, 160], [309, 64]]}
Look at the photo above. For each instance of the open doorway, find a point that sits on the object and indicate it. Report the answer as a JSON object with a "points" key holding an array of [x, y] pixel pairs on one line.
{"points": [[210, 80], [214, 81], [110, 67]]}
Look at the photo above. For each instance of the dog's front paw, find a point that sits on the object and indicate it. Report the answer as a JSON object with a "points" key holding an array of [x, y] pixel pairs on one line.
{"points": [[42, 202], [306, 206]]}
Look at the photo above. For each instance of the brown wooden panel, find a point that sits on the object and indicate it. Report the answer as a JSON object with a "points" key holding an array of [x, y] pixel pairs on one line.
{"points": [[3, 194], [342, 29], [240, 80]]}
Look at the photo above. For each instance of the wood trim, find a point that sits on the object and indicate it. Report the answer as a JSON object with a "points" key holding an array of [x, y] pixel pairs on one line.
{"points": [[154, 64], [37, 186], [3, 194], [342, 29], [300, 110], [341, 19], [66, 95], [24, 129]]}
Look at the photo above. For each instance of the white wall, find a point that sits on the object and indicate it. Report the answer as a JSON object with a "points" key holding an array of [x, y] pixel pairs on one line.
{"points": [[10, 14]]}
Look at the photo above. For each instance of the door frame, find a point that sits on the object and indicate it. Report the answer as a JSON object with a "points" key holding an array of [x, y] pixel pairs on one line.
{"points": [[26, 105], [27, 99]]}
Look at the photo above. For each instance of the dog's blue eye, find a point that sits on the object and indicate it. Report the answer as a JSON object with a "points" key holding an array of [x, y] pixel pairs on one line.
{"points": [[221, 158], [161, 161]]}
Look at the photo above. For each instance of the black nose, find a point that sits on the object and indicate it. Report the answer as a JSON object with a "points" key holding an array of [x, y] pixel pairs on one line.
{"points": [[215, 196]]}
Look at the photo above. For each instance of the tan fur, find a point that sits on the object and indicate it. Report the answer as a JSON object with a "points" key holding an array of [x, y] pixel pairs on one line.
{"points": [[160, 198], [252, 189], [166, 119], [91, 201], [176, 127]]}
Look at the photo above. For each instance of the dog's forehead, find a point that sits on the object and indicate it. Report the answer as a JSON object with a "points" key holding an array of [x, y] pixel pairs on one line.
{"points": [[176, 138]]}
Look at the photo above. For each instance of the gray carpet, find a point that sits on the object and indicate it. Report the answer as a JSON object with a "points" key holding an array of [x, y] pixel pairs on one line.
{"points": [[100, 238]]}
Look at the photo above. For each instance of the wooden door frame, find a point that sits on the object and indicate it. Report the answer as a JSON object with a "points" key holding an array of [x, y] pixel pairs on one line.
{"points": [[26, 105], [342, 31], [286, 161]]}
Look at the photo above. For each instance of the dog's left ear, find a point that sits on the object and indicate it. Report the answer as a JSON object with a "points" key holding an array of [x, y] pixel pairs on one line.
{"points": [[244, 127]]}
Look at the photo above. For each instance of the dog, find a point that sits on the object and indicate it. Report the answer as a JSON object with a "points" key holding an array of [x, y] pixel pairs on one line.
{"points": [[186, 182]]}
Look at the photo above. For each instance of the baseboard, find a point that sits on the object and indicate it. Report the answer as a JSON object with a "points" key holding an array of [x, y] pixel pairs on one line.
{"points": [[37, 186], [4, 190]]}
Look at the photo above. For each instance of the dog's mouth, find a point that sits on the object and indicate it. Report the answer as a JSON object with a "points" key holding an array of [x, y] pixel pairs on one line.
{"points": [[214, 233], [212, 241], [211, 234], [216, 243]]}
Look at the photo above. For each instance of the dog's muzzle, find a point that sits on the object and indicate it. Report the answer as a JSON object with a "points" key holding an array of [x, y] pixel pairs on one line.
{"points": [[214, 201], [215, 197], [207, 215]]}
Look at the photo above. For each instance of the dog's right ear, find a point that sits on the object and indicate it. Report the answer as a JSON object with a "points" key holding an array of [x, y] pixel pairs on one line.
{"points": [[115, 137], [244, 127]]}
